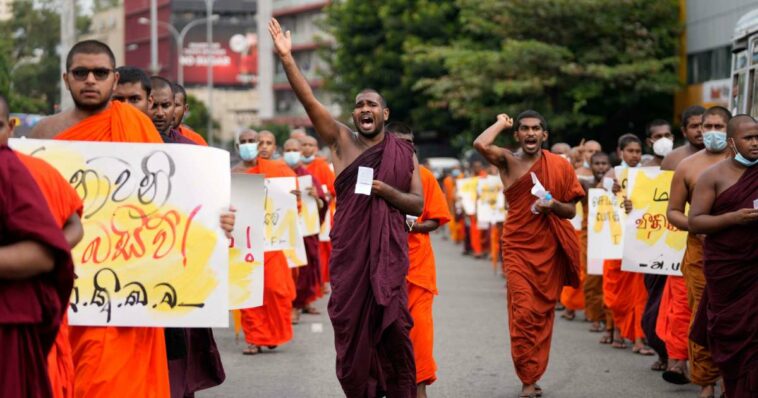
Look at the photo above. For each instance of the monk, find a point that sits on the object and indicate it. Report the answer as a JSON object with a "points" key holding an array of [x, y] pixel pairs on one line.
{"points": [[194, 362], [593, 284], [448, 186], [134, 88], [66, 207], [320, 169], [369, 303], [540, 251], [703, 371], [561, 149], [582, 156], [724, 208], [36, 279], [308, 277], [692, 131], [624, 292], [181, 108], [101, 365], [660, 140], [246, 145], [270, 325], [422, 276]]}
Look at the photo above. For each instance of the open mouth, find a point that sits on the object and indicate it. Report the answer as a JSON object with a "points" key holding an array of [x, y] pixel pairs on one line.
{"points": [[531, 143], [366, 122]]}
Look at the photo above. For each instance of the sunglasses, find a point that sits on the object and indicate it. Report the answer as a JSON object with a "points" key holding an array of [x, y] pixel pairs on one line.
{"points": [[82, 73]]}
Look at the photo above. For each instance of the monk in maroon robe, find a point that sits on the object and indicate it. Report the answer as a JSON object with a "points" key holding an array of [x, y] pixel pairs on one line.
{"points": [[36, 278], [724, 208]]}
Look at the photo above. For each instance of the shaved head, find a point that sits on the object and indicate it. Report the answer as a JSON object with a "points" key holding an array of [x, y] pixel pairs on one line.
{"points": [[736, 123], [267, 134], [266, 144], [560, 148], [292, 144], [309, 147]]}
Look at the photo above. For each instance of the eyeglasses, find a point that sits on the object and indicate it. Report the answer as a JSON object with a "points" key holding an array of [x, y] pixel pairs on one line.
{"points": [[82, 73]]}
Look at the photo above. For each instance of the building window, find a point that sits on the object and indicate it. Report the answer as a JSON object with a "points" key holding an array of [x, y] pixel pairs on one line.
{"points": [[709, 65]]}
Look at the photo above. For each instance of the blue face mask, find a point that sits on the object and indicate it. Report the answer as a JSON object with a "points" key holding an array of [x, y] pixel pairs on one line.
{"points": [[292, 158], [249, 151], [714, 141], [586, 164], [309, 159], [455, 172], [743, 160]]}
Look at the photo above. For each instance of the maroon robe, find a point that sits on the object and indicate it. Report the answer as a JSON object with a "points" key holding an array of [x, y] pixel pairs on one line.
{"points": [[369, 302], [728, 312], [31, 309], [308, 282], [194, 362]]}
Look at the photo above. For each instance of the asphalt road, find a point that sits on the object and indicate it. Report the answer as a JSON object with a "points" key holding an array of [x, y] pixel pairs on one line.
{"points": [[471, 349]]}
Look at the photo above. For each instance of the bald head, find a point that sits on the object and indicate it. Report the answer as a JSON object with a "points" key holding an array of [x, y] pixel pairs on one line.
{"points": [[309, 146], [737, 124], [590, 148], [291, 145], [560, 148], [266, 144]]}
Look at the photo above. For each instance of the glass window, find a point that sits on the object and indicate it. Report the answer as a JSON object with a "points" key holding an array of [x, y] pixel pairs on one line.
{"points": [[738, 97], [754, 105], [754, 51]]}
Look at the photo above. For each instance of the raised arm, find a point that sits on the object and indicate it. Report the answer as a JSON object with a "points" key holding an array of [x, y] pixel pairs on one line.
{"points": [[412, 202], [485, 143], [700, 219], [678, 200], [327, 128]]}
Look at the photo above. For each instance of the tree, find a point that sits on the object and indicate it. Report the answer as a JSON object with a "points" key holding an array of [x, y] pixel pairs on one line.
{"points": [[197, 117], [372, 39], [594, 68]]}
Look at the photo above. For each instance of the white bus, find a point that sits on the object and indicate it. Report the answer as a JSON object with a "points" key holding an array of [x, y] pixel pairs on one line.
{"points": [[745, 66]]}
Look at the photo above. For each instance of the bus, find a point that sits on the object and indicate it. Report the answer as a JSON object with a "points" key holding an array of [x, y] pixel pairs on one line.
{"points": [[745, 66]]}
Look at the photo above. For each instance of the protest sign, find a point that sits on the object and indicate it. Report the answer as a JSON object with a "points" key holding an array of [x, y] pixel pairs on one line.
{"points": [[246, 248]]}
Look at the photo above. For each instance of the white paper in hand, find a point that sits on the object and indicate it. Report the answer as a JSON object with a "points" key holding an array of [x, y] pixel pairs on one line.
{"points": [[537, 190], [364, 180], [755, 204], [608, 184]]}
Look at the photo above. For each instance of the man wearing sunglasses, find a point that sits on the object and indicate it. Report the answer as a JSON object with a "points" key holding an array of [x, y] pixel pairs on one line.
{"points": [[102, 353]]}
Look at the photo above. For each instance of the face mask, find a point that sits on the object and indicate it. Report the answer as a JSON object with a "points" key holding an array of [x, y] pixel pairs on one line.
{"points": [[308, 159], [249, 151], [456, 172], [714, 141], [586, 164], [663, 146], [625, 164], [743, 160], [291, 158]]}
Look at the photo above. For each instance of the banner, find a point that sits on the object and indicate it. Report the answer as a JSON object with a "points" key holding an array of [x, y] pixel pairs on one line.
{"points": [[281, 220], [246, 246], [153, 252], [309, 221], [466, 192], [490, 204], [576, 222], [605, 229], [651, 244]]}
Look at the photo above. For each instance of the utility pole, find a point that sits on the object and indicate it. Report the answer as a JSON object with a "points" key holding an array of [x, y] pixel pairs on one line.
{"points": [[265, 61], [154, 68], [68, 38], [209, 49]]}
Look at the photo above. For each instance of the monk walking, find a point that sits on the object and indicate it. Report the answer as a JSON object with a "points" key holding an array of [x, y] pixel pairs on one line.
{"points": [[724, 208], [540, 251], [66, 207], [422, 276], [703, 371], [101, 365], [308, 277], [270, 325], [181, 108], [133, 87], [377, 185]]}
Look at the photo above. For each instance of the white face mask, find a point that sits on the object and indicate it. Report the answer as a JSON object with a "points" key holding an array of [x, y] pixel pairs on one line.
{"points": [[663, 146]]}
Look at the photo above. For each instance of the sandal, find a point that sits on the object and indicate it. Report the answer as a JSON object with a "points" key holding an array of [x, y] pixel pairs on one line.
{"points": [[596, 328], [619, 344], [251, 349], [311, 311], [569, 316], [676, 376], [658, 366], [538, 390], [272, 347], [643, 351], [606, 339]]}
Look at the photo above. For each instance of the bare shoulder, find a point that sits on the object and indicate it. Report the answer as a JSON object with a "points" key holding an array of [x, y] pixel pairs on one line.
{"points": [[672, 160], [51, 126], [713, 173]]}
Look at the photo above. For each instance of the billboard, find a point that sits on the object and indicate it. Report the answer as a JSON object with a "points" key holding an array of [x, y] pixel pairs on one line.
{"points": [[233, 53]]}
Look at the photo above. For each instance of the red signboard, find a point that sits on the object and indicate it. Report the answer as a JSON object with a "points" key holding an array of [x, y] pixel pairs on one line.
{"points": [[234, 55]]}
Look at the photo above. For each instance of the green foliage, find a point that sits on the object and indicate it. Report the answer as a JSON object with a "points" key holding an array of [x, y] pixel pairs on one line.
{"points": [[594, 68], [281, 132], [197, 117]]}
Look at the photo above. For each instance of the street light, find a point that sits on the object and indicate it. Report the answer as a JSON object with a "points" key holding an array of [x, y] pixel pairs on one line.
{"points": [[179, 38]]}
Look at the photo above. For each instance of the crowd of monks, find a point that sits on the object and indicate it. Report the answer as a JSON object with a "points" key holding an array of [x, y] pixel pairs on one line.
{"points": [[377, 266]]}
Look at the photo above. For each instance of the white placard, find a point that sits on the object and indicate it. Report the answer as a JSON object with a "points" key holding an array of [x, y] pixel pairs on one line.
{"points": [[246, 248], [364, 181], [605, 229], [309, 219]]}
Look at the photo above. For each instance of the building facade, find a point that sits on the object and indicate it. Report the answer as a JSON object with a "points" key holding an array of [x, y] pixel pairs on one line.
{"points": [[108, 26]]}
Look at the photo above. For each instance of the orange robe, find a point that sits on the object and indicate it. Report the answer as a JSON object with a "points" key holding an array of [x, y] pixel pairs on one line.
{"points": [[448, 186], [573, 298], [422, 279], [702, 369], [540, 255], [322, 172], [192, 135], [118, 361], [625, 295], [63, 202], [496, 231], [271, 323], [673, 323]]}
